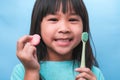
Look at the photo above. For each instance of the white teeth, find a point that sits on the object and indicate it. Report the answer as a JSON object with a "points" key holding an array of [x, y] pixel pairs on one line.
{"points": [[64, 40]]}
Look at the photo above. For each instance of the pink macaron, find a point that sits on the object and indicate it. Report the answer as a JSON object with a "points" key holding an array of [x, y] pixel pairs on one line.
{"points": [[35, 39]]}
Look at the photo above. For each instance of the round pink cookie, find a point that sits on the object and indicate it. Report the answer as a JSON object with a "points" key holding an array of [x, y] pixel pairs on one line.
{"points": [[35, 40]]}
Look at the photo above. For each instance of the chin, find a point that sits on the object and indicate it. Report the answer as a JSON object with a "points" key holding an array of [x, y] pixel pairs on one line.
{"points": [[62, 52]]}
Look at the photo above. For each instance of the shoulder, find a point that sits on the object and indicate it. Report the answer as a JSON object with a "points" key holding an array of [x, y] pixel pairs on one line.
{"points": [[18, 72], [98, 73]]}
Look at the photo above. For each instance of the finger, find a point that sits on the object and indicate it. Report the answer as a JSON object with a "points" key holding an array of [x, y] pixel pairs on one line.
{"points": [[31, 52], [84, 75], [87, 70], [80, 79], [29, 49], [23, 54], [35, 55], [22, 41]]}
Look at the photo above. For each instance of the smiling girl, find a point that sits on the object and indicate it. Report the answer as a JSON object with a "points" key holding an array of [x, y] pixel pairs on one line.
{"points": [[60, 24]]}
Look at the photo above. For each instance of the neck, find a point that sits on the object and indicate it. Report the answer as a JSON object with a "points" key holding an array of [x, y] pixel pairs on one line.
{"points": [[59, 57]]}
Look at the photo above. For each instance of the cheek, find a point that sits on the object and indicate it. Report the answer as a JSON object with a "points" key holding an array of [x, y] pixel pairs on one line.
{"points": [[44, 31], [47, 33], [45, 36], [78, 36], [78, 33]]}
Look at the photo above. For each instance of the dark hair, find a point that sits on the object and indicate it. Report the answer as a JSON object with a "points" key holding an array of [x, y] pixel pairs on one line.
{"points": [[45, 7]]}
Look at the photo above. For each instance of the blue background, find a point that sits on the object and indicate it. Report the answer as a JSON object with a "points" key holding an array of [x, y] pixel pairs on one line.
{"points": [[104, 17]]}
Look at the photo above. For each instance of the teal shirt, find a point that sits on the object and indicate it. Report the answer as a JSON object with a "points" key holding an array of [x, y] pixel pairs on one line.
{"points": [[55, 70]]}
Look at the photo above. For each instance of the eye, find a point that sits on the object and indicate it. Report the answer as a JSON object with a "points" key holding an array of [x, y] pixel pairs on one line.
{"points": [[53, 19], [73, 19]]}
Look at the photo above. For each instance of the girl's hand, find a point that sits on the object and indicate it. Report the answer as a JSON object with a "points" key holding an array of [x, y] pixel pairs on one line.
{"points": [[26, 52], [85, 74]]}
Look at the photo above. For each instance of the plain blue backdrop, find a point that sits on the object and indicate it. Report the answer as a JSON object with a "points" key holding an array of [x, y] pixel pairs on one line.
{"points": [[104, 18]]}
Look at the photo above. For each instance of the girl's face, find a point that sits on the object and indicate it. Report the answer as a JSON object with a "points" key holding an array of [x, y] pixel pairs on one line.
{"points": [[61, 33]]}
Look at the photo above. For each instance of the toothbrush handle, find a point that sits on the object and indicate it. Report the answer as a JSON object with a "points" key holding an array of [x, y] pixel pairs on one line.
{"points": [[83, 56]]}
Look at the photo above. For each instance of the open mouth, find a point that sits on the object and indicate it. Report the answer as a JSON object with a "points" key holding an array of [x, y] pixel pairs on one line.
{"points": [[63, 41]]}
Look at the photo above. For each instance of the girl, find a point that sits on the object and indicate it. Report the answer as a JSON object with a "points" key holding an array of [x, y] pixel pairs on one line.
{"points": [[60, 24]]}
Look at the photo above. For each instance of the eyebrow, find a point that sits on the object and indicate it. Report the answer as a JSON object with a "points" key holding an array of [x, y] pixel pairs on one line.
{"points": [[73, 13]]}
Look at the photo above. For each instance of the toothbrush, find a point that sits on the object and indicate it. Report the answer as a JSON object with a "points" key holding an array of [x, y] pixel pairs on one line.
{"points": [[84, 40]]}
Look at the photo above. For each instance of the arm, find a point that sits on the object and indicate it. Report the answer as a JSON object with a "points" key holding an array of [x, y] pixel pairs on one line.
{"points": [[19, 73], [26, 52], [31, 75]]}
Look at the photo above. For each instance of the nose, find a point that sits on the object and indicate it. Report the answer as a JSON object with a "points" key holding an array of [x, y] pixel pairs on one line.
{"points": [[64, 27]]}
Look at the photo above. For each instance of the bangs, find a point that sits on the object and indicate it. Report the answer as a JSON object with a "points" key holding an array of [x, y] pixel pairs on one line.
{"points": [[45, 7], [51, 7]]}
